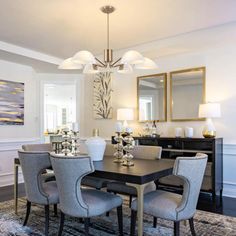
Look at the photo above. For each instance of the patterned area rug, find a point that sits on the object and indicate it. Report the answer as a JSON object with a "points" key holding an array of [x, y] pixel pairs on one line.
{"points": [[11, 225]]}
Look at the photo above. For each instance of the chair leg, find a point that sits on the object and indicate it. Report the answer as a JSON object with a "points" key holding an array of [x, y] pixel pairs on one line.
{"points": [[61, 224], [46, 219], [28, 205], [55, 209], [120, 220], [154, 222], [108, 213], [86, 226], [133, 222], [176, 228], [191, 224], [130, 200]]}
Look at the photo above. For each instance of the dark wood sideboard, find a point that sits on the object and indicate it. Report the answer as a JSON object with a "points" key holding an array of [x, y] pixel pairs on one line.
{"points": [[174, 147]]}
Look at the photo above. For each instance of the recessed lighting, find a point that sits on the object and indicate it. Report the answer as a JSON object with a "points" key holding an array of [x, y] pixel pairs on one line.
{"points": [[161, 80]]}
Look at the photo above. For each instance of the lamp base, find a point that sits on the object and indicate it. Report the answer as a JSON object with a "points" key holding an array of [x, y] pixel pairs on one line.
{"points": [[209, 133]]}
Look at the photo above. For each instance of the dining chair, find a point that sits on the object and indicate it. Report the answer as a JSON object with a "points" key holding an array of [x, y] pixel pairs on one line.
{"points": [[37, 190], [139, 152], [172, 206], [95, 182], [76, 201]]}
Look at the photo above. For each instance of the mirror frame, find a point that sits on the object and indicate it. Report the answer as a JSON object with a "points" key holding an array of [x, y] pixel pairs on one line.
{"points": [[165, 96], [203, 69]]}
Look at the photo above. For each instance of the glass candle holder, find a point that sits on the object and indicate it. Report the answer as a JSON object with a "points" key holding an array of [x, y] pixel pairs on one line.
{"points": [[119, 148], [129, 140]]}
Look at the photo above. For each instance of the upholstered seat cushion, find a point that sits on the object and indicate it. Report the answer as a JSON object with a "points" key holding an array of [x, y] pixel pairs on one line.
{"points": [[160, 204], [94, 182], [46, 177], [99, 202], [50, 188], [121, 187]]}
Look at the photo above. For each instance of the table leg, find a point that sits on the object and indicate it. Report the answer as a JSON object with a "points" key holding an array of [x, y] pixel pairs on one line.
{"points": [[140, 193], [16, 167]]}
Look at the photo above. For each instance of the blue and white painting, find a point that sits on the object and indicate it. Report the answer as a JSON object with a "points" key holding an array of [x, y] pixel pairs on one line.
{"points": [[11, 103]]}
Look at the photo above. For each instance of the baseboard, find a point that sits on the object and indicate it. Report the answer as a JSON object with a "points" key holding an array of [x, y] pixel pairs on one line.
{"points": [[7, 179]]}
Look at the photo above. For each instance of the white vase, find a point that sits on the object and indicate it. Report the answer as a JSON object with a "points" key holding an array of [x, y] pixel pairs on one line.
{"points": [[96, 147]]}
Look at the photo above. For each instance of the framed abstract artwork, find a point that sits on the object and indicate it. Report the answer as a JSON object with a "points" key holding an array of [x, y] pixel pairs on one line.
{"points": [[11, 103], [102, 95]]}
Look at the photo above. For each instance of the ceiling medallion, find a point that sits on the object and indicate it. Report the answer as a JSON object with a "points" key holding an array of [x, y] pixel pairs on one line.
{"points": [[90, 64]]}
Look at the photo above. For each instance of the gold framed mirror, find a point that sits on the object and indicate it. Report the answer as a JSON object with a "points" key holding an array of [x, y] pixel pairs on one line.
{"points": [[187, 91], [152, 97]]}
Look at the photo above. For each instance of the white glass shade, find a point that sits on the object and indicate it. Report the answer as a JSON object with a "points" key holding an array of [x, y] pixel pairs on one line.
{"points": [[69, 64], [209, 110], [84, 57], [125, 69], [89, 69], [125, 114], [132, 57], [146, 64]]}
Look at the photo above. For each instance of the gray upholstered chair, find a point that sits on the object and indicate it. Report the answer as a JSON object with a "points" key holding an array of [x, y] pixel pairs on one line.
{"points": [[37, 190], [172, 206], [96, 182], [139, 152], [76, 201]]}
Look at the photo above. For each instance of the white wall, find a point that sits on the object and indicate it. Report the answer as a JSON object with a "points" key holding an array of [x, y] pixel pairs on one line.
{"points": [[13, 137]]}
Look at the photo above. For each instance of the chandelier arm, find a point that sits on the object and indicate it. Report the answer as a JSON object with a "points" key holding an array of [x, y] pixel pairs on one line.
{"points": [[114, 63], [100, 62]]}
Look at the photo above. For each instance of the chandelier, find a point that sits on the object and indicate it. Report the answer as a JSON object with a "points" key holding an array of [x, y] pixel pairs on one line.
{"points": [[90, 64]]}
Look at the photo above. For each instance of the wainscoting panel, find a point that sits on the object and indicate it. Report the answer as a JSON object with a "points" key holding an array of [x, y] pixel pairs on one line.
{"points": [[8, 151], [229, 170]]}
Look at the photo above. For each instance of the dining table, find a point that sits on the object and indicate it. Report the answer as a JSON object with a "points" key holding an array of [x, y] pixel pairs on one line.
{"points": [[139, 176]]}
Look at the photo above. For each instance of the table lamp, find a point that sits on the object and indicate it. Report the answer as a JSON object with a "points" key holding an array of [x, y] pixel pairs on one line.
{"points": [[125, 114], [209, 111]]}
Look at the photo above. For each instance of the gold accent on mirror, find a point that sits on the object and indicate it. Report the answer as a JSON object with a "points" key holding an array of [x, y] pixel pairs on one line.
{"points": [[187, 91], [152, 98]]}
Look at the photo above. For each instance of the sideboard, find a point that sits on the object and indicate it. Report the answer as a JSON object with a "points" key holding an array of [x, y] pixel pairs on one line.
{"points": [[174, 147]]}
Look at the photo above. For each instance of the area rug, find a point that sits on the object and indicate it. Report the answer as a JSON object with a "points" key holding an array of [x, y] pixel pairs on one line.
{"points": [[11, 225]]}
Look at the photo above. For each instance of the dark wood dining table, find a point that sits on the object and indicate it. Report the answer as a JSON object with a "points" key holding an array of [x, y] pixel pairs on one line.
{"points": [[139, 176]]}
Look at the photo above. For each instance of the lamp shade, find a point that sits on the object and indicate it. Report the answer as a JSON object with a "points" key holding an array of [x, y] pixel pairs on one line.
{"points": [[125, 114], [69, 64], [84, 57], [132, 57], [146, 64], [209, 110]]}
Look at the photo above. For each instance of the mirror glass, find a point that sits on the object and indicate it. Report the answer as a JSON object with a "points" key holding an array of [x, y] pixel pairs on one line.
{"points": [[152, 97], [187, 88]]}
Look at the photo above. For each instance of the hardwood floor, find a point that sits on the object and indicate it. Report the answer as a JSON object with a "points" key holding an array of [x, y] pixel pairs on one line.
{"points": [[225, 207]]}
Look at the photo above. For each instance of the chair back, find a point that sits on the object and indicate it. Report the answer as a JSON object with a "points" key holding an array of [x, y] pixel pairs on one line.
{"points": [[33, 164], [147, 152], [191, 170], [109, 150], [42, 147], [69, 171]]}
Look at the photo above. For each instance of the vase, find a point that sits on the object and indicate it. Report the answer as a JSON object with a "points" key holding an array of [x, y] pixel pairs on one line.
{"points": [[96, 147]]}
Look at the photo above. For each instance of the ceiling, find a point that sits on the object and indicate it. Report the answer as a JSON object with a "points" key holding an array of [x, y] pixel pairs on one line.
{"points": [[62, 27]]}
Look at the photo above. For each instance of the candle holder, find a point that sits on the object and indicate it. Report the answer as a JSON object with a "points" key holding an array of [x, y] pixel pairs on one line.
{"points": [[75, 142], [129, 140], [119, 148], [66, 145]]}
